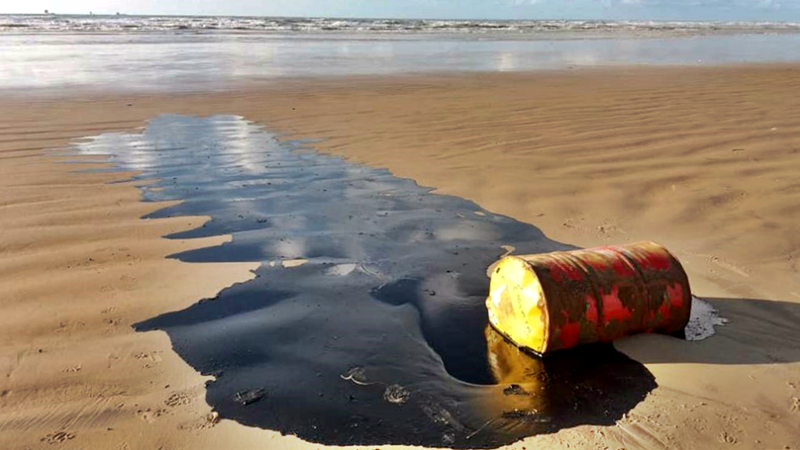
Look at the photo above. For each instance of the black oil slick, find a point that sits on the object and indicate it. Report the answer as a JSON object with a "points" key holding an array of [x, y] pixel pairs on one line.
{"points": [[365, 323]]}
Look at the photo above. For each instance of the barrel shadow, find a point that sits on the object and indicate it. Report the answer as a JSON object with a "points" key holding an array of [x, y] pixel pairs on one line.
{"points": [[757, 332]]}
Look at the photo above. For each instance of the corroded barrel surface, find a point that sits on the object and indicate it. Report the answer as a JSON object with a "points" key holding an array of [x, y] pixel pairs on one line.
{"points": [[558, 300]]}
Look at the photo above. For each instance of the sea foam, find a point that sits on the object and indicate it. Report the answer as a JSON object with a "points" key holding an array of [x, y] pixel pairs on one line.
{"points": [[131, 23]]}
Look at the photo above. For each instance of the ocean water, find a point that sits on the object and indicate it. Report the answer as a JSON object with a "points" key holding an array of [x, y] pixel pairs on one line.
{"points": [[133, 23], [203, 53]]}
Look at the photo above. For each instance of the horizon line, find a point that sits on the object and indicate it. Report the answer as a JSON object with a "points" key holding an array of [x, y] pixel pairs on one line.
{"points": [[118, 14]]}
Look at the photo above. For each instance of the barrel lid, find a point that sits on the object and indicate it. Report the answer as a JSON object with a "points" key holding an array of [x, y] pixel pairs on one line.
{"points": [[517, 306]]}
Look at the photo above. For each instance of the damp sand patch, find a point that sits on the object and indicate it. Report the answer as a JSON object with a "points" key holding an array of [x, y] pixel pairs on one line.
{"points": [[365, 323]]}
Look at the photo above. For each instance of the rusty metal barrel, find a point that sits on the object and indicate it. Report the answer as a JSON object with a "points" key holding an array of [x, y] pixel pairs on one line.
{"points": [[559, 300]]}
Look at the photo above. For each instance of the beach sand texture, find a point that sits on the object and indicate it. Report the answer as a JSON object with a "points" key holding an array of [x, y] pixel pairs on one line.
{"points": [[703, 161]]}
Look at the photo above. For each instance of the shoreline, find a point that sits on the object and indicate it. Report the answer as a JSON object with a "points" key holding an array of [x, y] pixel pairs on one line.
{"points": [[563, 151], [80, 94]]}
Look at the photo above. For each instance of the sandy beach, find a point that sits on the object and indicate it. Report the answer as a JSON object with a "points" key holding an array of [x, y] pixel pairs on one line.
{"points": [[700, 159]]}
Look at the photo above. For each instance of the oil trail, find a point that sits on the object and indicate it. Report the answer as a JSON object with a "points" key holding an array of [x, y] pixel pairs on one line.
{"points": [[365, 324]]}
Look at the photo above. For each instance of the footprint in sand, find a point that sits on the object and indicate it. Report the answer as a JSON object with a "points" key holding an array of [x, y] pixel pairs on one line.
{"points": [[177, 399], [58, 437], [727, 438], [204, 423], [151, 358], [150, 416]]}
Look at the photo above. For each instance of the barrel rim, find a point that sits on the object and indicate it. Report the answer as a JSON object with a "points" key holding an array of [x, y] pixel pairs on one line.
{"points": [[550, 354], [524, 348]]}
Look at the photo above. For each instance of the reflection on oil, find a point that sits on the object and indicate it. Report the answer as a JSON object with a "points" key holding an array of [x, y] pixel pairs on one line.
{"points": [[365, 324], [524, 378], [565, 389]]}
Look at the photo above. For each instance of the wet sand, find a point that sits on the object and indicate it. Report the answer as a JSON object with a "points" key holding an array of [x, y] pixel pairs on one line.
{"points": [[189, 61], [702, 160]]}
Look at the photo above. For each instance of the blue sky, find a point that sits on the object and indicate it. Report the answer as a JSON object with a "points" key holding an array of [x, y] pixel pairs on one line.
{"points": [[786, 10]]}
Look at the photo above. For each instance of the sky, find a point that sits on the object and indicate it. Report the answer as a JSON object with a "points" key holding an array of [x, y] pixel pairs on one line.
{"points": [[775, 10]]}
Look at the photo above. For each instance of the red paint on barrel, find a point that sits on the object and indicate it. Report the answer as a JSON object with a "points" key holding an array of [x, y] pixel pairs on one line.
{"points": [[570, 333], [613, 309], [596, 264], [561, 271], [666, 310], [675, 293], [654, 261], [621, 266]]}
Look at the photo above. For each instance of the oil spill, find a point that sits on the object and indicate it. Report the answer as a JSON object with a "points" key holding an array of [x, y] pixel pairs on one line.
{"points": [[365, 323]]}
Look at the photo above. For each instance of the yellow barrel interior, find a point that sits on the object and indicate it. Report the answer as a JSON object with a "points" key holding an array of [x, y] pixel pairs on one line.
{"points": [[516, 304]]}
